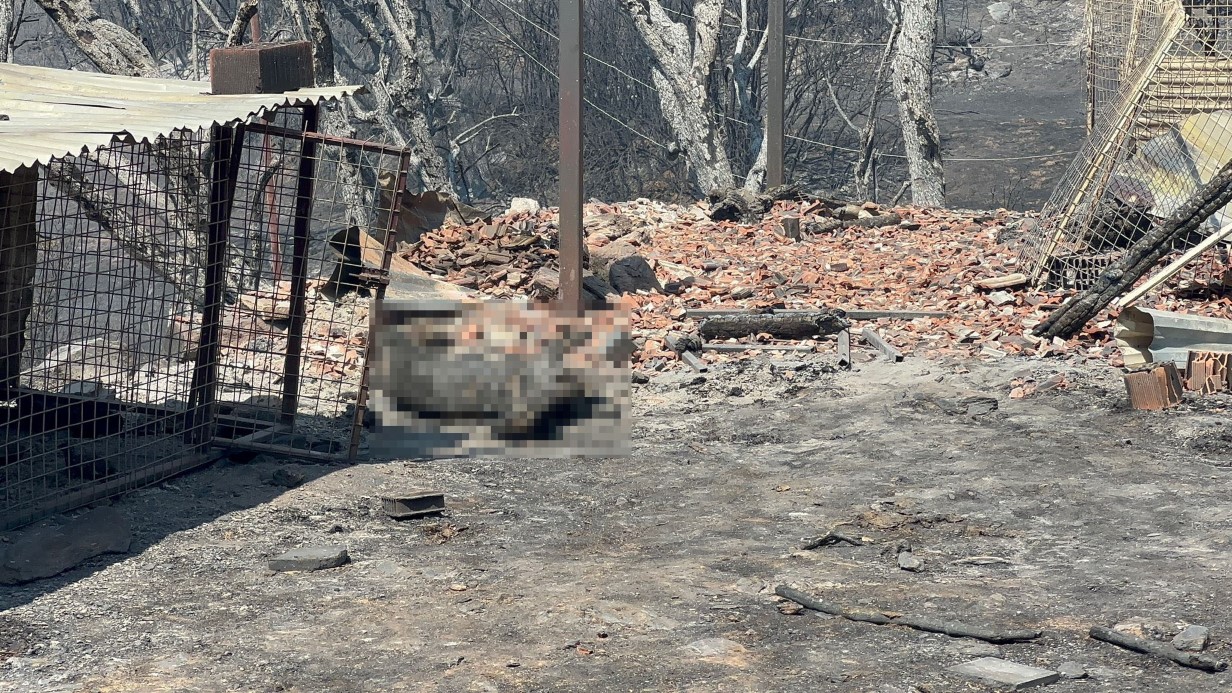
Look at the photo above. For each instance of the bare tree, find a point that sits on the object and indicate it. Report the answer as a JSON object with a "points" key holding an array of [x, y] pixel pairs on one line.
{"points": [[912, 77], [6, 29], [112, 48], [682, 59]]}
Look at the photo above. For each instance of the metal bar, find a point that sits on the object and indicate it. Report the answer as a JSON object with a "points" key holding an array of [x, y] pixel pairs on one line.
{"points": [[844, 349], [776, 89], [283, 450], [851, 314], [711, 346], [391, 243], [391, 150], [228, 148], [99, 490], [870, 335], [571, 160], [694, 362], [299, 269], [279, 131]]}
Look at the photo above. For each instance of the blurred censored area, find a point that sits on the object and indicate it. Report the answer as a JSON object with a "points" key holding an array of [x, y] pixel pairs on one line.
{"points": [[459, 378]]}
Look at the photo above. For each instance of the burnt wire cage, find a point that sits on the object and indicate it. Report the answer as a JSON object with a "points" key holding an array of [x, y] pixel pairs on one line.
{"points": [[1159, 86], [164, 300]]}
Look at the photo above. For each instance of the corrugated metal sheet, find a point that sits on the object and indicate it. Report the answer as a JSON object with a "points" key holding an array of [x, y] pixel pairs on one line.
{"points": [[54, 113]]}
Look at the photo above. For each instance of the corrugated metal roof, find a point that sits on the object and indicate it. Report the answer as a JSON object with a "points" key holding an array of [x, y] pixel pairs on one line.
{"points": [[54, 113]]}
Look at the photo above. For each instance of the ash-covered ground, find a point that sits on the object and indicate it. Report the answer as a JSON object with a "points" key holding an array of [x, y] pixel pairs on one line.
{"points": [[1058, 511]]}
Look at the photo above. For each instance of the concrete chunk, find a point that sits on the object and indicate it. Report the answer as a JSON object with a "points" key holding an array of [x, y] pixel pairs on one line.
{"points": [[1192, 639], [1000, 671], [310, 558]]}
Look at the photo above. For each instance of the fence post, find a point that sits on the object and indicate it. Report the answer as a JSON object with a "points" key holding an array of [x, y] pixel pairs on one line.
{"points": [[571, 179], [776, 88]]}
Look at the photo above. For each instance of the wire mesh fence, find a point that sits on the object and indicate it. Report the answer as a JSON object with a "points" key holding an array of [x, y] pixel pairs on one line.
{"points": [[1160, 108], [159, 299], [294, 338], [100, 252]]}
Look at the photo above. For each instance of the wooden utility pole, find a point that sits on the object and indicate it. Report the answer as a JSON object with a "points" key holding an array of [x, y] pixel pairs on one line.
{"points": [[571, 181], [776, 91]]}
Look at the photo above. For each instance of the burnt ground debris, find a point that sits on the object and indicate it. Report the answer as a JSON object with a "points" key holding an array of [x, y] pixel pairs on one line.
{"points": [[657, 571]]}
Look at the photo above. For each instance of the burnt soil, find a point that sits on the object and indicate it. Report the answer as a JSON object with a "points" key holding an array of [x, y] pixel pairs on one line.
{"points": [[1059, 511]]}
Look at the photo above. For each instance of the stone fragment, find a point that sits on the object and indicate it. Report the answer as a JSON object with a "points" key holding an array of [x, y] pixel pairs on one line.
{"points": [[714, 647], [1001, 298], [42, 552], [999, 671], [1001, 12], [908, 561], [520, 205], [632, 274], [310, 558], [286, 478], [1192, 639], [1072, 670]]}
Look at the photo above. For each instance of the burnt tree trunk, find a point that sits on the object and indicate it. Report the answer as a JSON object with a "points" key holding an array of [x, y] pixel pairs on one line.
{"points": [[6, 29], [1139, 259], [680, 66], [18, 254], [112, 48], [913, 88]]}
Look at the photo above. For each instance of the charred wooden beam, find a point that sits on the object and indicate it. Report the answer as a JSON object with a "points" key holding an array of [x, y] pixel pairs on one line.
{"points": [[957, 630], [1193, 660], [1139, 258], [797, 326]]}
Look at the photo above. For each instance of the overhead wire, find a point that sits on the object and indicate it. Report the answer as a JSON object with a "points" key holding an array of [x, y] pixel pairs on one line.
{"points": [[796, 138], [555, 76], [556, 38], [882, 44], [1054, 155]]}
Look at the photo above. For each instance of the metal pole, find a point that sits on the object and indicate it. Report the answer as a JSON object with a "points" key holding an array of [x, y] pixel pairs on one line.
{"points": [[305, 179], [227, 145], [570, 29], [776, 90]]}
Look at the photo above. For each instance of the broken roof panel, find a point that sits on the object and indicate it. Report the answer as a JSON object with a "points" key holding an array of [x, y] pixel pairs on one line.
{"points": [[54, 113]]}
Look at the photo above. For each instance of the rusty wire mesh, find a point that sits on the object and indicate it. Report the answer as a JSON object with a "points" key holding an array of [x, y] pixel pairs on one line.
{"points": [[291, 372], [145, 323], [1160, 107]]}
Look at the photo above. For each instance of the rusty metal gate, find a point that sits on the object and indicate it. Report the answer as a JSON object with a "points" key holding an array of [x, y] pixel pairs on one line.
{"points": [[313, 217]]}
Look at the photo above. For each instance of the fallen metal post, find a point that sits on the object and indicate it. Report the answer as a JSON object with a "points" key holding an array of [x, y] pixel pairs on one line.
{"points": [[696, 363], [844, 349], [870, 335]]}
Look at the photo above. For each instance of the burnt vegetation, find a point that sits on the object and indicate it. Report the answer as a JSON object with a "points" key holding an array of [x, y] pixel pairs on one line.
{"points": [[470, 85]]}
